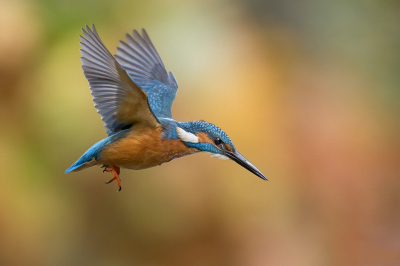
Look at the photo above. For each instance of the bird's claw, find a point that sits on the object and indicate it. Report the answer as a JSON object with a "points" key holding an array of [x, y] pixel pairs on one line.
{"points": [[107, 168], [115, 170]]}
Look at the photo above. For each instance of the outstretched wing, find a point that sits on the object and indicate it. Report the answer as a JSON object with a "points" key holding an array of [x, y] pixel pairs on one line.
{"points": [[143, 64], [117, 98]]}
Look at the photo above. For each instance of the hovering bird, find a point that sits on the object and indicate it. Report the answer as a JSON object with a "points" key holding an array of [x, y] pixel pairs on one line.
{"points": [[133, 92]]}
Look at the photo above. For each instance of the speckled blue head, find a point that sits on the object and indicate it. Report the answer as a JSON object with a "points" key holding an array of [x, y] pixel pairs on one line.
{"points": [[210, 144], [209, 138]]}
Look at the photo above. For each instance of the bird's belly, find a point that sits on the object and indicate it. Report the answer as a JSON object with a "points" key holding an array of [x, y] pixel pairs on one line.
{"points": [[139, 160], [145, 150]]}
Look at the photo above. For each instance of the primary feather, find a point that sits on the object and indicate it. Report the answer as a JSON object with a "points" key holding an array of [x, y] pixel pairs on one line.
{"points": [[134, 93], [143, 64], [117, 98]]}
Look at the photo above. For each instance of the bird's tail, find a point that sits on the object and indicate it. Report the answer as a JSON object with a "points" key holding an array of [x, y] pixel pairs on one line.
{"points": [[89, 157], [81, 164]]}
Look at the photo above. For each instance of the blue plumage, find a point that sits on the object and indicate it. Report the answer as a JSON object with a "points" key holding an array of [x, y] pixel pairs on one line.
{"points": [[95, 150], [140, 60], [160, 97], [212, 130], [134, 93]]}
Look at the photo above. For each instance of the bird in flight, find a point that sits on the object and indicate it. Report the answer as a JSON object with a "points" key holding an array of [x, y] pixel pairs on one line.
{"points": [[133, 92]]}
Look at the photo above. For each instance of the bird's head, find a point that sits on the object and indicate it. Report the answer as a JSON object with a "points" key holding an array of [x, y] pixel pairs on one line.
{"points": [[209, 138]]}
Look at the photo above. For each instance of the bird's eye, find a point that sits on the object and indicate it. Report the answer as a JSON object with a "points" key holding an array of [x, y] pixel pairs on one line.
{"points": [[217, 141]]}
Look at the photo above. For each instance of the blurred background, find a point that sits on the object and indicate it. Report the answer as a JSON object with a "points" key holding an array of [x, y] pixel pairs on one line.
{"points": [[307, 90]]}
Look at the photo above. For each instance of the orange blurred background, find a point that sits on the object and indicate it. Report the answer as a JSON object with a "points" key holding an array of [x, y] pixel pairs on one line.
{"points": [[307, 90]]}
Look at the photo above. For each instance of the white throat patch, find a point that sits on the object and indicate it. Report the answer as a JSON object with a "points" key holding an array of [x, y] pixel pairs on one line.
{"points": [[186, 136], [219, 156]]}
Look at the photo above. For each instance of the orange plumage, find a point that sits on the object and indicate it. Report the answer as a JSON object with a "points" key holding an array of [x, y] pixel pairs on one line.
{"points": [[133, 92], [143, 147]]}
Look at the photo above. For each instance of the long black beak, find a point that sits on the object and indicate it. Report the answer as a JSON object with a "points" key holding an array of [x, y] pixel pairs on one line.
{"points": [[237, 157]]}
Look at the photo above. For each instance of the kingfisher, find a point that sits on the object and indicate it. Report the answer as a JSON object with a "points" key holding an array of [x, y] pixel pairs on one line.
{"points": [[133, 93]]}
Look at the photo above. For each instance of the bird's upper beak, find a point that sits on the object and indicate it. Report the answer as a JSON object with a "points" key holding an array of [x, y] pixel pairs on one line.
{"points": [[237, 157]]}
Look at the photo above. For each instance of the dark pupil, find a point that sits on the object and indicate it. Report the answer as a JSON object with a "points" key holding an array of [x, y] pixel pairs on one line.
{"points": [[217, 141]]}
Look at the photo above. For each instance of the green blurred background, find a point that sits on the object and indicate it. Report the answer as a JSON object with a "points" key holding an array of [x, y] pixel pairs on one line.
{"points": [[307, 90]]}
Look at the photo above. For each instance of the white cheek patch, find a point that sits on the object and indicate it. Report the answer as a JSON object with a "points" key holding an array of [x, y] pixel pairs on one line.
{"points": [[219, 156], [186, 136]]}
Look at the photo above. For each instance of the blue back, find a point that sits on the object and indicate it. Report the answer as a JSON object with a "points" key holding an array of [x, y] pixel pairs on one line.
{"points": [[140, 60], [160, 98]]}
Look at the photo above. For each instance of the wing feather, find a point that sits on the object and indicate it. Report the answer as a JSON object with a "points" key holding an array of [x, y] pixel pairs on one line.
{"points": [[118, 99], [141, 61]]}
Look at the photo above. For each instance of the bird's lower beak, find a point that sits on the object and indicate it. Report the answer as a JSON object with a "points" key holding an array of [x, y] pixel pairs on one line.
{"points": [[237, 157]]}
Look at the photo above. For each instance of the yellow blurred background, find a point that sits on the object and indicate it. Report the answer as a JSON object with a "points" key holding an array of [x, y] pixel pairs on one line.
{"points": [[307, 90]]}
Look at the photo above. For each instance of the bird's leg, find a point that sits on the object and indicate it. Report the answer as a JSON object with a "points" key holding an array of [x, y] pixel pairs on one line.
{"points": [[115, 170]]}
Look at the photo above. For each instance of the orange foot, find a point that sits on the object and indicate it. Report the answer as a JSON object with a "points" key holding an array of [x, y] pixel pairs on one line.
{"points": [[115, 170]]}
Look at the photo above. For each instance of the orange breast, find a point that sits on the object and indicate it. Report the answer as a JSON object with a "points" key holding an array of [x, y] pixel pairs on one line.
{"points": [[142, 148]]}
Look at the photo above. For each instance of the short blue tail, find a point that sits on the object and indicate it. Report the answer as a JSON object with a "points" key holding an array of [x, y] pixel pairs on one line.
{"points": [[92, 152], [95, 150], [81, 161]]}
